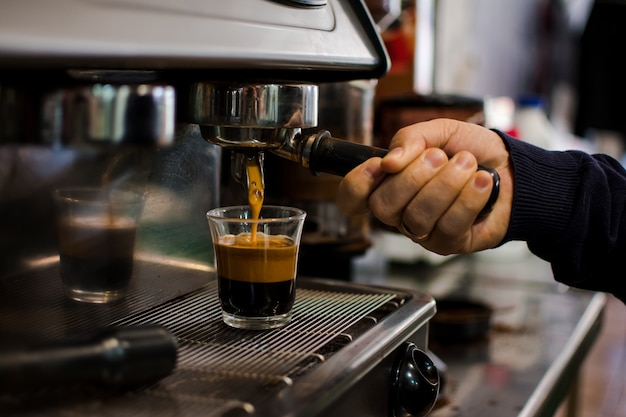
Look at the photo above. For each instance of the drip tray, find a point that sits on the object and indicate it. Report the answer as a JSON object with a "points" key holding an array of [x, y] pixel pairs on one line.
{"points": [[338, 333]]}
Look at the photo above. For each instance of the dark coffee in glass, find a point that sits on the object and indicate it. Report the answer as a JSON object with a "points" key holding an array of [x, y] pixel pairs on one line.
{"points": [[96, 254], [96, 230]]}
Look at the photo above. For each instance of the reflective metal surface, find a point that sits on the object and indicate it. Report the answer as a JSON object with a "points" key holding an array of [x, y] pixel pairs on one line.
{"points": [[235, 39], [254, 105], [89, 114], [108, 114], [252, 115]]}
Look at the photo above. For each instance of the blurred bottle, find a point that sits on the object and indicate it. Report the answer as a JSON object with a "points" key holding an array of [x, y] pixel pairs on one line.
{"points": [[532, 123], [500, 114]]}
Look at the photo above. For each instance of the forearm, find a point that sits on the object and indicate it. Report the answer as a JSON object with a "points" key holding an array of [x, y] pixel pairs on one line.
{"points": [[570, 208]]}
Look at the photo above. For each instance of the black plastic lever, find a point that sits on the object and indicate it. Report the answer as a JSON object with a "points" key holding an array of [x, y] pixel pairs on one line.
{"points": [[338, 157]]}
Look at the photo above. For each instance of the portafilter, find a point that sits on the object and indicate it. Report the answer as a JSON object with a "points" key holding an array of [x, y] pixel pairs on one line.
{"points": [[252, 118]]}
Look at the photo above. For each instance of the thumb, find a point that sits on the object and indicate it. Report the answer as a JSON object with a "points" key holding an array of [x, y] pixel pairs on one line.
{"points": [[355, 188]]}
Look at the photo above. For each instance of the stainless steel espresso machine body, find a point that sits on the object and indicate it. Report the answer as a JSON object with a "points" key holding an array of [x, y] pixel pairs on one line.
{"points": [[156, 95]]}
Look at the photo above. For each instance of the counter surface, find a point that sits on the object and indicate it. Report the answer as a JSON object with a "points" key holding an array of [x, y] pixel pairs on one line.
{"points": [[540, 331]]}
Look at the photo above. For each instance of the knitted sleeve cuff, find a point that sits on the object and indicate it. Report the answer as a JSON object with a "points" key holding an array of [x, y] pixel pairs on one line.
{"points": [[544, 189]]}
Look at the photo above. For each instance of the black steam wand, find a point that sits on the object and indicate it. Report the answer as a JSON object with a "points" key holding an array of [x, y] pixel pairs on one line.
{"points": [[120, 357]]}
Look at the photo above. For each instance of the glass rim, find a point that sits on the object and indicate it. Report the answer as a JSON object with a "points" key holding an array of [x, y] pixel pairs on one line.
{"points": [[83, 194], [213, 214]]}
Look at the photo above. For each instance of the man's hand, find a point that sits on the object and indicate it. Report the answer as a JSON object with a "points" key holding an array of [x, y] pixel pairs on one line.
{"points": [[428, 186]]}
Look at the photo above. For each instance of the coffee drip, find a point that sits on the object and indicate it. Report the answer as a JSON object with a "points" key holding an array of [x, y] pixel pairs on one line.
{"points": [[256, 187]]}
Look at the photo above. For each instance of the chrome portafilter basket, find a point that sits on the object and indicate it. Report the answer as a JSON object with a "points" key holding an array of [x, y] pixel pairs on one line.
{"points": [[252, 115]]}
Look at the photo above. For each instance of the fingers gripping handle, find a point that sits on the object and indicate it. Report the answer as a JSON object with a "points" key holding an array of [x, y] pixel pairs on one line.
{"points": [[338, 157]]}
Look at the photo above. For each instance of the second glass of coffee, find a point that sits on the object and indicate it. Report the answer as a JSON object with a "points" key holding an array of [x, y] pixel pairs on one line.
{"points": [[256, 262], [96, 234]]}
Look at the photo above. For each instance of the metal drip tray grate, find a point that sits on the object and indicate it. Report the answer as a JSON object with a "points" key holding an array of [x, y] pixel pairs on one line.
{"points": [[322, 319], [223, 371], [234, 368]]}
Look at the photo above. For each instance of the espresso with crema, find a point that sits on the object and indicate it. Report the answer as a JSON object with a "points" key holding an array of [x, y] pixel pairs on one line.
{"points": [[256, 274]]}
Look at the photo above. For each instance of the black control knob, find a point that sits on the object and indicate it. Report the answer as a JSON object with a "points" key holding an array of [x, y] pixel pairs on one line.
{"points": [[414, 383]]}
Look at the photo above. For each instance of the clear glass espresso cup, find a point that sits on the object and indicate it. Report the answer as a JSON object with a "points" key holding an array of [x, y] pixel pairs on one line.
{"points": [[96, 230], [256, 262]]}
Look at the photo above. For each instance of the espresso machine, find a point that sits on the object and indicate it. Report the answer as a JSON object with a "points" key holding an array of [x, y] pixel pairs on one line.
{"points": [[170, 99]]}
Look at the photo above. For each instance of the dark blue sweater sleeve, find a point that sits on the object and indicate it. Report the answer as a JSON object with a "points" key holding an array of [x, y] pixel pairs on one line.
{"points": [[570, 208]]}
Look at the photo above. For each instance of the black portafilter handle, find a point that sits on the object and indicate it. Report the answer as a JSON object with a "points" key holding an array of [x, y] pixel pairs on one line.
{"points": [[338, 157], [120, 357]]}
